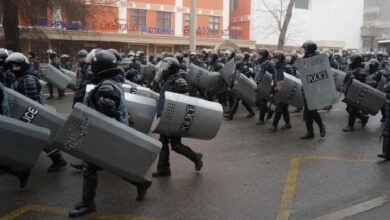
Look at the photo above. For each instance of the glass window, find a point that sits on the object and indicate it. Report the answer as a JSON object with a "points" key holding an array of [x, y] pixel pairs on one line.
{"points": [[138, 17], [214, 25], [302, 4], [164, 20], [39, 13], [233, 5], [187, 20]]}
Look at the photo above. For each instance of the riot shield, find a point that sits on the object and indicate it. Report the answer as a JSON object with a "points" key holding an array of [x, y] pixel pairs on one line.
{"points": [[364, 97], [202, 78], [142, 111], [43, 83], [185, 116], [265, 86], [107, 143], [291, 92], [21, 143], [339, 77], [245, 89], [317, 82], [72, 76], [56, 77], [228, 70], [142, 91], [30, 111]]}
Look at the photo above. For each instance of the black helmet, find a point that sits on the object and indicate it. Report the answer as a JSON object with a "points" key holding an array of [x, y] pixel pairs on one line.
{"points": [[291, 58], [65, 56], [213, 56], [179, 57], [278, 54], [140, 53], [230, 54], [103, 61], [310, 46], [116, 54], [32, 54], [20, 59], [4, 53], [356, 60], [170, 66], [373, 65], [239, 58], [379, 56], [264, 52], [246, 55], [82, 53], [328, 53]]}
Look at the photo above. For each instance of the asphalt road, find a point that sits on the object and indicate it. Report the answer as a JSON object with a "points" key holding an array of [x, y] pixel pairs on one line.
{"points": [[248, 174]]}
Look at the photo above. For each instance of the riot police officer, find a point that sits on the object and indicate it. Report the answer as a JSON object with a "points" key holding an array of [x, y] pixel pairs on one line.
{"points": [[54, 61], [34, 62], [386, 131], [83, 76], [180, 59], [310, 49], [6, 75], [344, 58], [278, 69], [380, 56], [240, 66], [175, 82], [108, 98], [27, 84], [65, 62], [356, 71], [21, 174], [216, 65], [260, 67]]}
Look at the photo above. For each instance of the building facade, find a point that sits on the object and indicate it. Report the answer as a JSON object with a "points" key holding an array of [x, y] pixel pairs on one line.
{"points": [[154, 26], [376, 26], [333, 24]]}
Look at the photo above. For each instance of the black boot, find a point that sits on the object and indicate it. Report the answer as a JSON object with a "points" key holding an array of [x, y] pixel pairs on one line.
{"points": [[286, 126], [250, 115], [163, 164], [365, 121], [307, 136], [273, 129], [77, 166], [322, 131], [348, 129], [23, 177], [199, 162], [142, 189], [384, 156], [58, 162], [89, 192], [82, 209]]}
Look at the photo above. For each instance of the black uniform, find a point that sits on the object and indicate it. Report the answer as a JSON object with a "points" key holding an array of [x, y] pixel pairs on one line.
{"points": [[175, 83], [311, 115], [241, 66], [260, 67], [108, 98], [56, 62], [355, 70], [281, 107]]}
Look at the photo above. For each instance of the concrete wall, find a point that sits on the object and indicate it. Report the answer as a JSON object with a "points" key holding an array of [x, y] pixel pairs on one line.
{"points": [[332, 23]]}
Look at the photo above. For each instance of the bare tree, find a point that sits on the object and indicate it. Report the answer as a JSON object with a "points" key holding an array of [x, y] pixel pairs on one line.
{"points": [[10, 24], [281, 12]]}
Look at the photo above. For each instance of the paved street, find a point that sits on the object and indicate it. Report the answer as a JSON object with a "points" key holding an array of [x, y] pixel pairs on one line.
{"points": [[248, 174]]}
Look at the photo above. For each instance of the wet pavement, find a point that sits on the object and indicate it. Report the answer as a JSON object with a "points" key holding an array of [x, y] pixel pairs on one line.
{"points": [[248, 174]]}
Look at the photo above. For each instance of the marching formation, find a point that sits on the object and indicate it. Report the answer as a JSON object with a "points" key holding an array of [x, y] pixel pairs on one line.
{"points": [[119, 96]]}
